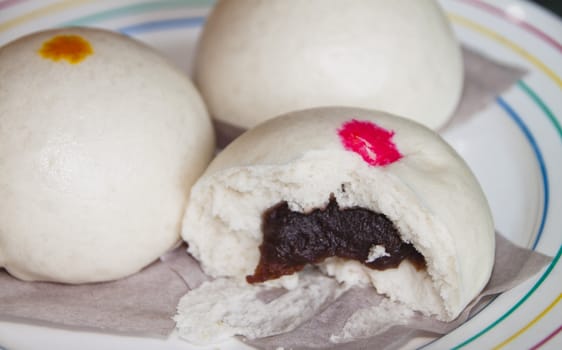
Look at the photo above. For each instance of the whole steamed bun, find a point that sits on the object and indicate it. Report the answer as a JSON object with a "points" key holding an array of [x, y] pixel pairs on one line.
{"points": [[358, 158], [100, 142], [261, 58]]}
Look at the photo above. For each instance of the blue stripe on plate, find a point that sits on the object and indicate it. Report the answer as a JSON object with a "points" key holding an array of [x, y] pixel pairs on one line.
{"points": [[544, 175], [538, 154], [167, 24]]}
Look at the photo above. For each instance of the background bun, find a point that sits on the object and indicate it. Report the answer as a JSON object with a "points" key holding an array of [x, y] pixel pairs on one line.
{"points": [[100, 142], [261, 58]]}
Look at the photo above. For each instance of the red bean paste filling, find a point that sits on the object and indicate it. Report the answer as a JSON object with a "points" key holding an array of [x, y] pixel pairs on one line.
{"points": [[291, 240]]}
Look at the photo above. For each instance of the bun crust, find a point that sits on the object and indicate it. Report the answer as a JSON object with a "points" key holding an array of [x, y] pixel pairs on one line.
{"points": [[97, 155], [260, 59]]}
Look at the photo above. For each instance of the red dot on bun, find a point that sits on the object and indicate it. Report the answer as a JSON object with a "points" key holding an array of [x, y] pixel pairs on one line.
{"points": [[372, 142]]}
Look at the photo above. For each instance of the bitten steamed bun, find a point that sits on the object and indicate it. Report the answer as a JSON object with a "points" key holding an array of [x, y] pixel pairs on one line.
{"points": [[100, 142], [368, 197], [261, 58]]}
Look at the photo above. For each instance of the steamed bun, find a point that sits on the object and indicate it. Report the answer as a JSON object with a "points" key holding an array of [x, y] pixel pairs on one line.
{"points": [[340, 167], [261, 58], [100, 142]]}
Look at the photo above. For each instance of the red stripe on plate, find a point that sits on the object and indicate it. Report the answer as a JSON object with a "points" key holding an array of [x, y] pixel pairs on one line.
{"points": [[7, 3], [548, 337], [519, 22]]}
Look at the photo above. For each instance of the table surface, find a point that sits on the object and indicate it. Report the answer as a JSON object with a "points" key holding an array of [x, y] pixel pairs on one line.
{"points": [[554, 6]]}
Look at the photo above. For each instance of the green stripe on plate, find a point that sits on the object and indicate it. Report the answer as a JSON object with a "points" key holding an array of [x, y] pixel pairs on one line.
{"points": [[516, 306], [542, 105]]}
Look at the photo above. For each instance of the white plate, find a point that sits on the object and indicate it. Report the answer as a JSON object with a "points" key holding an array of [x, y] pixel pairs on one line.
{"points": [[514, 147]]}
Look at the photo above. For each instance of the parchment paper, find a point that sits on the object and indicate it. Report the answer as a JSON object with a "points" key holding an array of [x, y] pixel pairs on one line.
{"points": [[513, 265]]}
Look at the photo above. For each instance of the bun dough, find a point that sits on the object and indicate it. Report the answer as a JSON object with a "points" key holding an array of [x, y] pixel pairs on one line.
{"points": [[261, 58], [100, 142], [429, 194]]}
